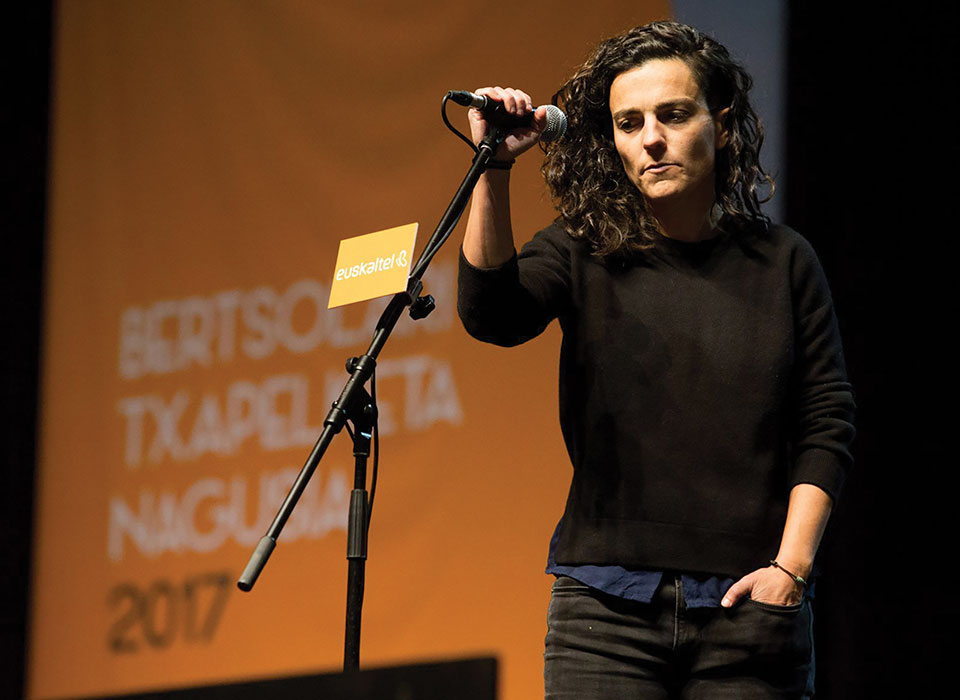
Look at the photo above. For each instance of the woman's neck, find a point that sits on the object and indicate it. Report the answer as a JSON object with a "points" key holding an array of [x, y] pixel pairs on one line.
{"points": [[689, 224]]}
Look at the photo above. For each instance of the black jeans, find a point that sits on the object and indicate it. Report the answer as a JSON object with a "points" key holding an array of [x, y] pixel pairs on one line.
{"points": [[601, 647]]}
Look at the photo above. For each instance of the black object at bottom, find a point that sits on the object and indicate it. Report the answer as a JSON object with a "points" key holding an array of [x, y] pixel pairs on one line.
{"points": [[465, 679]]}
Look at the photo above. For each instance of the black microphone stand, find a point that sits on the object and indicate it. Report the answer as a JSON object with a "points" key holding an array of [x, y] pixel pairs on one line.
{"points": [[357, 406]]}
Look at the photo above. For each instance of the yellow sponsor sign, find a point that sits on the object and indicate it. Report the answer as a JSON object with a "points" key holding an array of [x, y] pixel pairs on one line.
{"points": [[372, 265]]}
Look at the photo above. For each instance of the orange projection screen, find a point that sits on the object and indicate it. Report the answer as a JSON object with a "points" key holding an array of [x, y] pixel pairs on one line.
{"points": [[207, 159]]}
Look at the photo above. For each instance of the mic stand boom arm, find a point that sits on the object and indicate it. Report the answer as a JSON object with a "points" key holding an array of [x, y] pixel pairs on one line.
{"points": [[355, 404]]}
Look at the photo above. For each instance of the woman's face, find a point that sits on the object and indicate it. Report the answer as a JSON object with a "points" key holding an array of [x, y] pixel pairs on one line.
{"points": [[665, 135]]}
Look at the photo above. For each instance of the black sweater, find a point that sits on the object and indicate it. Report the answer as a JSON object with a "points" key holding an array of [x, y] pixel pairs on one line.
{"points": [[699, 382]]}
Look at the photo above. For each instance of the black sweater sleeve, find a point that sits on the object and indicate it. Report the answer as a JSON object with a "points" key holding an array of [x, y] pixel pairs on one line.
{"points": [[515, 302], [823, 398]]}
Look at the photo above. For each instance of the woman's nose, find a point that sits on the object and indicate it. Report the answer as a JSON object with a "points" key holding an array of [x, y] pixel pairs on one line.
{"points": [[652, 135]]}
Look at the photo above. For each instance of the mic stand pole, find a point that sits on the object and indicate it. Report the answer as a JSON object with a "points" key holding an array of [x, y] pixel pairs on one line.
{"points": [[356, 405], [357, 522]]}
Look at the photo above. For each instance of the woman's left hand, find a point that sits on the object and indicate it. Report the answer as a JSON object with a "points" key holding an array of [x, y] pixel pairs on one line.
{"points": [[769, 585]]}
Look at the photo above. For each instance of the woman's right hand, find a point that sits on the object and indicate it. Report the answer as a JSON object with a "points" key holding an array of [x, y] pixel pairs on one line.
{"points": [[514, 102]]}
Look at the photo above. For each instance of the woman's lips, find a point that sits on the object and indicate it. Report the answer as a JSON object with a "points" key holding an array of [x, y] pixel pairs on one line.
{"points": [[658, 167]]}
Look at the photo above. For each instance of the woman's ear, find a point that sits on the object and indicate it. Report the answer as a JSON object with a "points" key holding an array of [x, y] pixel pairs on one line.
{"points": [[723, 133]]}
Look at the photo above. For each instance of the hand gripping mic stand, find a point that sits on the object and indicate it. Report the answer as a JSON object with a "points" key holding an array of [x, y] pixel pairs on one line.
{"points": [[357, 406]]}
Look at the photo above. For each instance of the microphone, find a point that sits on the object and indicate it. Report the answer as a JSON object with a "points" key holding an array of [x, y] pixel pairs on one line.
{"points": [[495, 114]]}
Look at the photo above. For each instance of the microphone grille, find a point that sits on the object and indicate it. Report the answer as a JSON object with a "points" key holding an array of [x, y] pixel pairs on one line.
{"points": [[556, 124]]}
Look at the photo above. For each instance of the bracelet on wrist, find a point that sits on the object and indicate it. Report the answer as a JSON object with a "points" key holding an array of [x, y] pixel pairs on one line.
{"points": [[799, 580], [500, 164]]}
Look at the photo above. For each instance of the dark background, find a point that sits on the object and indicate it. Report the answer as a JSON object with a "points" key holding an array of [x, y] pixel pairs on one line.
{"points": [[871, 157]]}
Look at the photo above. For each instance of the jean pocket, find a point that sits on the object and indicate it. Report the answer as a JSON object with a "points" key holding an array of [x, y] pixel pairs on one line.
{"points": [[771, 607], [775, 640]]}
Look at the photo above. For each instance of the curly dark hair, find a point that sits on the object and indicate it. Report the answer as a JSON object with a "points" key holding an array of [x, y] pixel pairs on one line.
{"points": [[583, 170]]}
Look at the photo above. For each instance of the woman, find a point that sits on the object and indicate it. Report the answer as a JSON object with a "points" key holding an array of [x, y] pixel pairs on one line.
{"points": [[703, 396]]}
